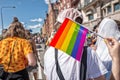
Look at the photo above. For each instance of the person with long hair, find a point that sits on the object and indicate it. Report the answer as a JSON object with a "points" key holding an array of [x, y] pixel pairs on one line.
{"points": [[15, 53]]}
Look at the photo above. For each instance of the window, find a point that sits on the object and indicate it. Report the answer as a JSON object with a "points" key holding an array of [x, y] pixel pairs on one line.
{"points": [[87, 1], [116, 6], [90, 17], [109, 9]]}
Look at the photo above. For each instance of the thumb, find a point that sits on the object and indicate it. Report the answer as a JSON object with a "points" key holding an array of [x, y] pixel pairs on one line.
{"points": [[107, 43]]}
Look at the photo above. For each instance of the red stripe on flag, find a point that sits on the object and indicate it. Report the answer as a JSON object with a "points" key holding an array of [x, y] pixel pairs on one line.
{"points": [[59, 32]]}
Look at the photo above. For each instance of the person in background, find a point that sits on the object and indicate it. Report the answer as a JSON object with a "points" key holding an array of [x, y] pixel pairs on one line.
{"points": [[32, 42], [114, 50], [1, 38], [70, 67], [16, 53], [35, 39], [107, 28], [93, 37], [3, 33], [51, 37], [38, 38], [89, 39]]}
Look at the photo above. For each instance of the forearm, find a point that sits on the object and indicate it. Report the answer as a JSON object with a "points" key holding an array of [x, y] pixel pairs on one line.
{"points": [[31, 59], [99, 78], [116, 69]]}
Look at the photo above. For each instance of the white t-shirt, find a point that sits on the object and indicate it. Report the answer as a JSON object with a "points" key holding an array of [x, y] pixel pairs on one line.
{"points": [[70, 67]]}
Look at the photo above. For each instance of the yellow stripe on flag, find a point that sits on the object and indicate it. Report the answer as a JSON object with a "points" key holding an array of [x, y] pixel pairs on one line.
{"points": [[63, 35], [68, 37]]}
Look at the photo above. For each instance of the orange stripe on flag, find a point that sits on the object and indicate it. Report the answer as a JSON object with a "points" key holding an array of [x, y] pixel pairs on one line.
{"points": [[63, 35]]}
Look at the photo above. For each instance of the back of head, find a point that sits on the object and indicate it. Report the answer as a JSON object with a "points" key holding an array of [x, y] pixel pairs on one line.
{"points": [[70, 13], [107, 28], [16, 29], [15, 19]]}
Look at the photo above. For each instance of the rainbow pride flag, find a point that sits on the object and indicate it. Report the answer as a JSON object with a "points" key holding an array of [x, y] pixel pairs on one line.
{"points": [[70, 38]]}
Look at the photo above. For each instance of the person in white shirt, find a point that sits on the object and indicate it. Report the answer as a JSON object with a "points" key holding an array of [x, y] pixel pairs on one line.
{"points": [[107, 28], [70, 67]]}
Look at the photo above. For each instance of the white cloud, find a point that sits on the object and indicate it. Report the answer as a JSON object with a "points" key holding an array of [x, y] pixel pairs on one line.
{"points": [[36, 20], [52, 1], [35, 26], [23, 23]]}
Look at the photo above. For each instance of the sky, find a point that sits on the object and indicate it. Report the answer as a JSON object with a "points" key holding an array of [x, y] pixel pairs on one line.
{"points": [[30, 12]]}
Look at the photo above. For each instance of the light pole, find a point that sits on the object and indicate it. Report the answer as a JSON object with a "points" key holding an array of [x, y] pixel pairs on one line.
{"points": [[2, 14]]}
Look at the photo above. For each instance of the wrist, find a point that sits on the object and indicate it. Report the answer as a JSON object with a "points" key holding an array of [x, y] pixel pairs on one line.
{"points": [[115, 56], [116, 60]]}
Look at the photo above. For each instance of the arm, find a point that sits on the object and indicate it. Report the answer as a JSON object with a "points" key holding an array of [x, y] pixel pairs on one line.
{"points": [[96, 69], [29, 53], [114, 49], [100, 78], [31, 59], [35, 53], [34, 48]]}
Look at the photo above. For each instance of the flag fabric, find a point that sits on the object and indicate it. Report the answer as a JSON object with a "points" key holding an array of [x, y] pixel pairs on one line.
{"points": [[70, 38]]}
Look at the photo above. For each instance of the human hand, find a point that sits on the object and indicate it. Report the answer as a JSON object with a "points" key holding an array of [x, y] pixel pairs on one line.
{"points": [[114, 47]]}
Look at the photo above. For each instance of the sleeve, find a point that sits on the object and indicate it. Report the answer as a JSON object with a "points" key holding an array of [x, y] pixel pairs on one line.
{"points": [[45, 69], [95, 68], [27, 47], [48, 61], [46, 57]]}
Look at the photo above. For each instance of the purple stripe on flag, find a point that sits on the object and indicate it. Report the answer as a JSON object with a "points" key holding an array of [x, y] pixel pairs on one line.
{"points": [[82, 40], [76, 46]]}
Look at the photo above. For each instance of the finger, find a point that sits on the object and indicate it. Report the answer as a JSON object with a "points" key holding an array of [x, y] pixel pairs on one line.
{"points": [[113, 41], [107, 43]]}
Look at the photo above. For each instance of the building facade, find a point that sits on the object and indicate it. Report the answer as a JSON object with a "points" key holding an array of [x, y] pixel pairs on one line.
{"points": [[95, 10], [65, 4], [53, 11]]}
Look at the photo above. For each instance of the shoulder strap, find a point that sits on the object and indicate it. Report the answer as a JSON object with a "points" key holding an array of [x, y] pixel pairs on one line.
{"points": [[83, 66], [59, 73]]}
